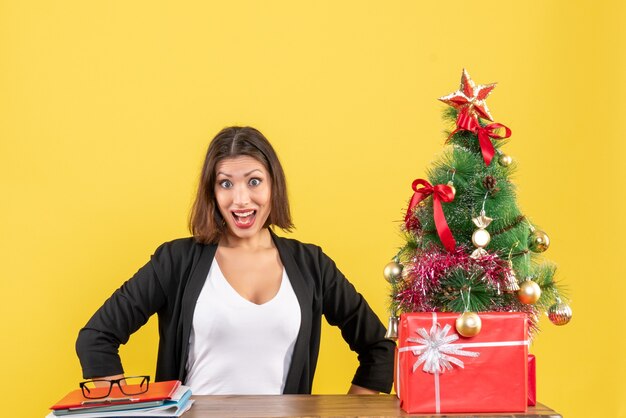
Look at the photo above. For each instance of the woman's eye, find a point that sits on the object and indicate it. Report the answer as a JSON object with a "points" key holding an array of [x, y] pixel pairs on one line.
{"points": [[226, 184], [254, 182]]}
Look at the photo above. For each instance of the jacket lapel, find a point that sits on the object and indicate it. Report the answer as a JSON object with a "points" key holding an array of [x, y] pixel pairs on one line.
{"points": [[300, 358], [190, 297]]}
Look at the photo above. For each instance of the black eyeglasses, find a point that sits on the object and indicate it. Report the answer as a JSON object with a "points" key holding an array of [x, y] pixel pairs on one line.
{"points": [[101, 388]]}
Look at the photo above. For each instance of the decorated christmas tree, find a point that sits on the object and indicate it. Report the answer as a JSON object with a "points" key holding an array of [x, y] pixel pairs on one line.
{"points": [[469, 247]]}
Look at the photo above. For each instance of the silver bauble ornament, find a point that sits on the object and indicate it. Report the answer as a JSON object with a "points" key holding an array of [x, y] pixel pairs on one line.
{"points": [[392, 328], [468, 324], [560, 313], [529, 292], [538, 241], [392, 271]]}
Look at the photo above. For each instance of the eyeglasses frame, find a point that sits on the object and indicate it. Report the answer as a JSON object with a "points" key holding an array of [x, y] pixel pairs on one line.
{"points": [[86, 391]]}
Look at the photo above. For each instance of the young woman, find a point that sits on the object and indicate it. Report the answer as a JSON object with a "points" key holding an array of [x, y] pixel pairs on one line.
{"points": [[239, 308]]}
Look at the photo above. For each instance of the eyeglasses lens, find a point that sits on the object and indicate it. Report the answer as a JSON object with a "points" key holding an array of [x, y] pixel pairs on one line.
{"points": [[134, 385], [95, 389]]}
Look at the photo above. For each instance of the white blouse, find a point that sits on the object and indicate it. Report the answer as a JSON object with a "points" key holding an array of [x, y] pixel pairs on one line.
{"points": [[239, 347]]}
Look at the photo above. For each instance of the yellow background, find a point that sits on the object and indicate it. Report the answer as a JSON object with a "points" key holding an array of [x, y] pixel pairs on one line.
{"points": [[106, 109]]}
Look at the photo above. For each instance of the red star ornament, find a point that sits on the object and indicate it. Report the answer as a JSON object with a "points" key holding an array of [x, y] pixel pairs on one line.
{"points": [[469, 100]]}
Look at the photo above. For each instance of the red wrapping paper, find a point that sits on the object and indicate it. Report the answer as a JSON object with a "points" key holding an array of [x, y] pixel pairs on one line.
{"points": [[532, 380], [494, 381]]}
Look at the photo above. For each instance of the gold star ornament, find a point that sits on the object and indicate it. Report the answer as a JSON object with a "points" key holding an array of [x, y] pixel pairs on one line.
{"points": [[469, 100]]}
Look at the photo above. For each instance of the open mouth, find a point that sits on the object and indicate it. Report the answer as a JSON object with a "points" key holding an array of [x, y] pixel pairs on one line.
{"points": [[244, 218]]}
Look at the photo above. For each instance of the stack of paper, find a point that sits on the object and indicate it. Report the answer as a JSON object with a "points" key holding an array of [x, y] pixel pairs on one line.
{"points": [[163, 399]]}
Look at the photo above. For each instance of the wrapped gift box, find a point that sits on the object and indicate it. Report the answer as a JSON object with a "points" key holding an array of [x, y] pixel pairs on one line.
{"points": [[439, 371], [532, 380]]}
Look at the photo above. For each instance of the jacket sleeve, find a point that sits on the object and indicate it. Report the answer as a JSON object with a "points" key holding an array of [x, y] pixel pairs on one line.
{"points": [[123, 313], [344, 307]]}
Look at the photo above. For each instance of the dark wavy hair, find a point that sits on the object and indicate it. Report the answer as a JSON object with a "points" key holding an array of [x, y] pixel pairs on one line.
{"points": [[205, 221]]}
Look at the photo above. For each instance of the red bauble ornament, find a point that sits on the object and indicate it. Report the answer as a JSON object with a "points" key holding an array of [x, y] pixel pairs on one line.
{"points": [[413, 224]]}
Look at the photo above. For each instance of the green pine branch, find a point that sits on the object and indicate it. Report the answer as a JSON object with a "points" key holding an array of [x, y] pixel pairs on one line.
{"points": [[461, 290]]}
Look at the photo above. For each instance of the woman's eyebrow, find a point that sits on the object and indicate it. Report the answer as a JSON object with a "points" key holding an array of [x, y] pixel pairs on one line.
{"points": [[245, 175]]}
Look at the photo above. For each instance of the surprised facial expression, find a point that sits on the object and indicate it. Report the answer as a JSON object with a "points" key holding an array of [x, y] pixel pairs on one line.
{"points": [[243, 194]]}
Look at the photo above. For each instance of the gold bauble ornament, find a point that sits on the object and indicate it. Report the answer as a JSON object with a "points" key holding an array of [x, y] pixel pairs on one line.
{"points": [[538, 241], [529, 292], [468, 324], [392, 271], [451, 185], [505, 160], [560, 313]]}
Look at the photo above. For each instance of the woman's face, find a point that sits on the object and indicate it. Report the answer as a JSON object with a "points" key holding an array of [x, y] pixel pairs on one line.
{"points": [[243, 191]]}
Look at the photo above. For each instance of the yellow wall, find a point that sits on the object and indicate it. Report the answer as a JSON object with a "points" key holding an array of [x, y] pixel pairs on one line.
{"points": [[106, 108]]}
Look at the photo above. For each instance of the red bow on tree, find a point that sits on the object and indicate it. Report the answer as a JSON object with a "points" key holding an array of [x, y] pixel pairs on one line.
{"points": [[467, 122], [440, 192], [486, 132]]}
